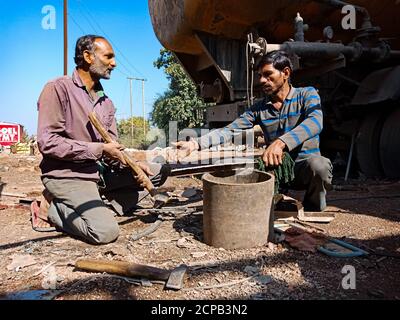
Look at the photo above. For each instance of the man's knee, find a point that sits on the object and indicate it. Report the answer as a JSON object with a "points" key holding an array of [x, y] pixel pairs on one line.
{"points": [[104, 235], [102, 227], [321, 167]]}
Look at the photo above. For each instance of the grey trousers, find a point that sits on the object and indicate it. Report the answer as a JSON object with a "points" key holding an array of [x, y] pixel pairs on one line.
{"points": [[315, 176], [78, 209]]}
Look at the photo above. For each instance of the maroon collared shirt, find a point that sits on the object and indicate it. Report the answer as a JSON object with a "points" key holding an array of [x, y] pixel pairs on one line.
{"points": [[69, 144]]}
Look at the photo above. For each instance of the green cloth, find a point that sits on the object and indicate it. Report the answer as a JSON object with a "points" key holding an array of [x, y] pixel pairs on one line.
{"points": [[284, 173]]}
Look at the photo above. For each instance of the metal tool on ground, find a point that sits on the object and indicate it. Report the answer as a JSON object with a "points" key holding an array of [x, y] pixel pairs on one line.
{"points": [[173, 278], [332, 247], [341, 249], [184, 170], [288, 207], [160, 198], [149, 230]]}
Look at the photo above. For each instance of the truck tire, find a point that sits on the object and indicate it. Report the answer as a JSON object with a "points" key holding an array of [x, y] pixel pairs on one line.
{"points": [[390, 146], [367, 145]]}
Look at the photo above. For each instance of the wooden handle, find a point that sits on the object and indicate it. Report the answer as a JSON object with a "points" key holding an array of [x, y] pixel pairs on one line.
{"points": [[128, 159], [122, 268]]}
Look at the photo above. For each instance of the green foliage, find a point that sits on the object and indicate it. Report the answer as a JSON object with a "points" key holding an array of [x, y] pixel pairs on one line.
{"points": [[24, 136], [124, 132], [180, 102], [284, 173]]}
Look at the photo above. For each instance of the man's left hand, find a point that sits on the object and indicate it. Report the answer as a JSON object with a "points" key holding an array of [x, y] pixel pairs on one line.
{"points": [[141, 178], [145, 167], [274, 153]]}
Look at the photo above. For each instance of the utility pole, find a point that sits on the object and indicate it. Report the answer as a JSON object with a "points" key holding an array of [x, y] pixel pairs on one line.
{"points": [[144, 110], [143, 102], [143, 105], [65, 37], [130, 93]]}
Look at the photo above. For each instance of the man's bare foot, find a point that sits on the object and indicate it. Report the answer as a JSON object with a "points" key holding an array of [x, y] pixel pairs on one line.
{"points": [[39, 217]]}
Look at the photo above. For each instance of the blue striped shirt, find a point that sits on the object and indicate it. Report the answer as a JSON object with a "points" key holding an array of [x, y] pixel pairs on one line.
{"points": [[298, 123]]}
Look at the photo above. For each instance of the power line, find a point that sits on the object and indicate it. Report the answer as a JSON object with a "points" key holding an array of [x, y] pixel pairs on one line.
{"points": [[121, 72], [109, 38], [83, 31], [86, 17], [76, 23]]}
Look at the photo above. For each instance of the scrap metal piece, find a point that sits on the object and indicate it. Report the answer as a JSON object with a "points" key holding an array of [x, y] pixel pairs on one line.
{"points": [[146, 231], [176, 278]]}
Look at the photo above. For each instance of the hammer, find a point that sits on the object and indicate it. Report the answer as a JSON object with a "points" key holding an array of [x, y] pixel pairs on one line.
{"points": [[174, 278], [160, 198]]}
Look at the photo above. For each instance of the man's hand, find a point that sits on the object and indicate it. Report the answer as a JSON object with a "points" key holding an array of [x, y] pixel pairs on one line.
{"points": [[145, 167], [113, 150], [183, 149], [273, 154], [141, 178]]}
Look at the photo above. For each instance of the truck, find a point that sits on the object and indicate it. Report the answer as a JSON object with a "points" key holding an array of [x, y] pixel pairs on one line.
{"points": [[349, 51]]}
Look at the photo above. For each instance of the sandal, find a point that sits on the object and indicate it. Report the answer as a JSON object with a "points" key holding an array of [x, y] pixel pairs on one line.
{"points": [[35, 219]]}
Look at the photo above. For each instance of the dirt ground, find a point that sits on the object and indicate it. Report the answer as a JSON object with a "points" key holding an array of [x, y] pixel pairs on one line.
{"points": [[367, 216]]}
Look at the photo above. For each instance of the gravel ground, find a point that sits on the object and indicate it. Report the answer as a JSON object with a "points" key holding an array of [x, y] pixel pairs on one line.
{"points": [[367, 216]]}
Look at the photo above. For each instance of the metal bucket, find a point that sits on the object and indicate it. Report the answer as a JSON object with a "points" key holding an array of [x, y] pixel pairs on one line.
{"points": [[238, 208]]}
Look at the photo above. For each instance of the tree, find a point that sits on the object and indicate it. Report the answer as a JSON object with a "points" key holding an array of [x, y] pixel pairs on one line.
{"points": [[180, 102], [138, 140]]}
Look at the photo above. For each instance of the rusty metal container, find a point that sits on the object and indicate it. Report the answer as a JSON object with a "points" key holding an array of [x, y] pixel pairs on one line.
{"points": [[176, 22], [238, 208]]}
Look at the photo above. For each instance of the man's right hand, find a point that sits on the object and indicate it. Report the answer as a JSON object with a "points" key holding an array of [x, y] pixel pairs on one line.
{"points": [[113, 150], [183, 149]]}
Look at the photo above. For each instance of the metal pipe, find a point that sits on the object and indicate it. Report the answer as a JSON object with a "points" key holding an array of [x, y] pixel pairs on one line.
{"points": [[353, 138], [326, 51], [341, 4], [314, 49], [395, 54], [299, 27]]}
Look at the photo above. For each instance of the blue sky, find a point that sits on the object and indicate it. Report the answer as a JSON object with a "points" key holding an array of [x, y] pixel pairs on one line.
{"points": [[31, 55]]}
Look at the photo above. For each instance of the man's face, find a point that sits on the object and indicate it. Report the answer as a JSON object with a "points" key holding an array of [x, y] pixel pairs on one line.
{"points": [[271, 79], [104, 60]]}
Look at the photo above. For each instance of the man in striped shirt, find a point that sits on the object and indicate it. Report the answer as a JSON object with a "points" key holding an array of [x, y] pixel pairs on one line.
{"points": [[291, 120]]}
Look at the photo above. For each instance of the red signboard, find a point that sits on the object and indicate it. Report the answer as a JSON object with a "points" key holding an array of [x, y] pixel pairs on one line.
{"points": [[9, 134]]}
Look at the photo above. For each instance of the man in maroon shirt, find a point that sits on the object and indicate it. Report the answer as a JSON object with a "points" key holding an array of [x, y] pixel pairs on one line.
{"points": [[71, 148]]}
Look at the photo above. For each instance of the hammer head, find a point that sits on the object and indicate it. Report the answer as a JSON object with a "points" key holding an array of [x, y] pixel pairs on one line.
{"points": [[176, 277], [160, 199]]}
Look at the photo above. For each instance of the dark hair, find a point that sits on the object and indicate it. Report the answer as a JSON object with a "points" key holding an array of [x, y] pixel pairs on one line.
{"points": [[279, 60], [82, 44]]}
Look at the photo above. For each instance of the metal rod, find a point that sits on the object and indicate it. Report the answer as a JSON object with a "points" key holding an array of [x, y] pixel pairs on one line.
{"points": [[200, 169], [353, 138], [144, 111], [143, 104], [65, 37]]}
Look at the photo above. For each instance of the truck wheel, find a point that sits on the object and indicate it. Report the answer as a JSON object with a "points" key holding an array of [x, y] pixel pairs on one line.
{"points": [[390, 146], [367, 147]]}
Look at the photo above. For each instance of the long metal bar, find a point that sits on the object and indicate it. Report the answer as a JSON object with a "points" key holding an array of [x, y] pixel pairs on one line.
{"points": [[65, 37], [200, 169], [353, 138]]}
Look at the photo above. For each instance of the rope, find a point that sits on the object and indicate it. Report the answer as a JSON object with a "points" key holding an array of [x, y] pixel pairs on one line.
{"points": [[284, 173]]}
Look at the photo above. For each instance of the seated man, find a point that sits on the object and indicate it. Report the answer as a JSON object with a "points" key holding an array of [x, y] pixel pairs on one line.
{"points": [[291, 120], [72, 150]]}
